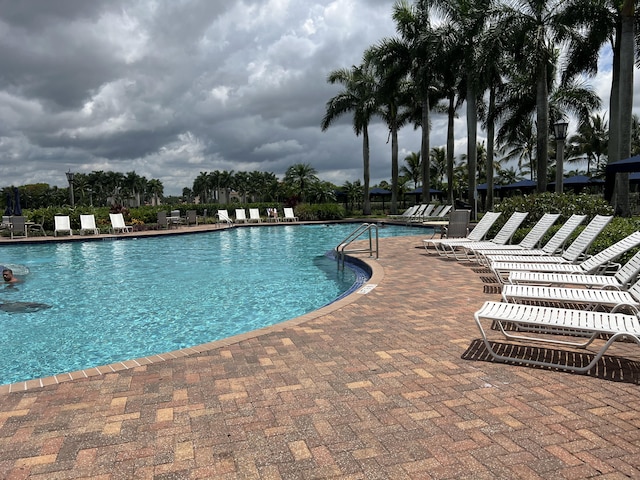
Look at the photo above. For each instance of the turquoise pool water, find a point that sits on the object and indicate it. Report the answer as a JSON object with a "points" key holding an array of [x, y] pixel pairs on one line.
{"points": [[116, 300]]}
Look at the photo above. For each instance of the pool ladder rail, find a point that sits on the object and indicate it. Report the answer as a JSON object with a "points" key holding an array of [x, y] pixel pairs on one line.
{"points": [[365, 228]]}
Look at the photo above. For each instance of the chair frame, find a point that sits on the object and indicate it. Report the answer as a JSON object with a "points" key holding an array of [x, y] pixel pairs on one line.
{"points": [[557, 326]]}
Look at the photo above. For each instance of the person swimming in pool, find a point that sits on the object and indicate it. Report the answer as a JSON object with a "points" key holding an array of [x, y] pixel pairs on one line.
{"points": [[7, 276]]}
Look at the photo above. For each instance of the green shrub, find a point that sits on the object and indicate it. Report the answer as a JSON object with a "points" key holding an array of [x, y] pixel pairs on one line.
{"points": [[321, 212], [539, 204], [566, 205]]}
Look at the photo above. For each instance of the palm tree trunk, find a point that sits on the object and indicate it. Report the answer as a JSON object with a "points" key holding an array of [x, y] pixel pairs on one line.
{"points": [[394, 166], [424, 151], [490, 142], [614, 101], [472, 145], [542, 115], [625, 103], [366, 209], [450, 147]]}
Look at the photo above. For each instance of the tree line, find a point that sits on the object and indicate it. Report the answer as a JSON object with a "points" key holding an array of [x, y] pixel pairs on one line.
{"points": [[517, 67]]}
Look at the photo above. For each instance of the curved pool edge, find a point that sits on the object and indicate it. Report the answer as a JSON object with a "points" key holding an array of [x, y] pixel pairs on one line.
{"points": [[377, 275]]}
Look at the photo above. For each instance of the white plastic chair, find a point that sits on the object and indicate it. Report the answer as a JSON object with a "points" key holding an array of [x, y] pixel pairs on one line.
{"points": [[118, 225], [62, 224], [88, 224]]}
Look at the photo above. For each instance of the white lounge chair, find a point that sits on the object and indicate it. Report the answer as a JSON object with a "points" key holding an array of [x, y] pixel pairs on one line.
{"points": [[406, 214], [572, 254], [118, 225], [557, 326], [88, 224], [589, 298], [254, 215], [424, 210], [504, 235], [620, 280], [529, 242], [241, 215], [62, 224], [223, 216], [553, 246], [442, 212], [478, 233], [289, 215], [594, 264]]}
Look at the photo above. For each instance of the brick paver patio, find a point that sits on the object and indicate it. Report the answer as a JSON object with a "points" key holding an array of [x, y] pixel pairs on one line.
{"points": [[390, 385]]}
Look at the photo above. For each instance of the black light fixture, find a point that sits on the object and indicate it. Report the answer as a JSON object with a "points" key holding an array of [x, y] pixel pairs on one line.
{"points": [[70, 176], [560, 130]]}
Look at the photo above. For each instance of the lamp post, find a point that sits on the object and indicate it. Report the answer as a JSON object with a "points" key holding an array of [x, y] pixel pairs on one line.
{"points": [[70, 176], [560, 130]]}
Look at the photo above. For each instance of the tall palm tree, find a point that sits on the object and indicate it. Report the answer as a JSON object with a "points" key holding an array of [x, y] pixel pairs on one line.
{"points": [[358, 98], [535, 29], [468, 19], [413, 24], [388, 60], [623, 110]]}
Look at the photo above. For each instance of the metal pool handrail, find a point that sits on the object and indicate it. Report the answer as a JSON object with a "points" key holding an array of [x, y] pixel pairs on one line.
{"points": [[341, 250]]}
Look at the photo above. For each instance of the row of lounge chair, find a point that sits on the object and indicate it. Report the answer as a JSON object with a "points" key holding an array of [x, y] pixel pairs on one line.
{"points": [[553, 295], [62, 224], [423, 212], [254, 216]]}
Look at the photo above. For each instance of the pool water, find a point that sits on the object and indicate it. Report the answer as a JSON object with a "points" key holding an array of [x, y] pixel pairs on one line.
{"points": [[116, 300]]}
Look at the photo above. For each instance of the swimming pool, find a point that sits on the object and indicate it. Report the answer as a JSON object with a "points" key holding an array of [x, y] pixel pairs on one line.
{"points": [[122, 299]]}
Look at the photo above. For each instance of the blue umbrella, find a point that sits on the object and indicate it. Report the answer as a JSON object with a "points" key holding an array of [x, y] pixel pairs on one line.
{"points": [[8, 211], [17, 209]]}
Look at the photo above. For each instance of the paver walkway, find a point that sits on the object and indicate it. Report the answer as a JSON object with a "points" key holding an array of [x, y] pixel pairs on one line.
{"points": [[376, 389]]}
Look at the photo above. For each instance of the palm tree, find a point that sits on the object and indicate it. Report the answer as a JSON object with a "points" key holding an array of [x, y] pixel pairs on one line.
{"points": [[413, 168], [521, 145], [226, 183], [353, 192], [388, 60], [438, 165], [414, 26], [201, 187], [623, 110], [357, 97], [321, 192], [590, 142], [534, 28], [156, 189], [300, 176], [468, 19]]}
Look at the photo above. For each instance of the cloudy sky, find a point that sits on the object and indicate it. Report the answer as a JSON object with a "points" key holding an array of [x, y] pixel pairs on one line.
{"points": [[172, 88]]}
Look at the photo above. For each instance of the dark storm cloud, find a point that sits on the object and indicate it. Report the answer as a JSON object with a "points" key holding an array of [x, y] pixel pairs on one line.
{"points": [[170, 89]]}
